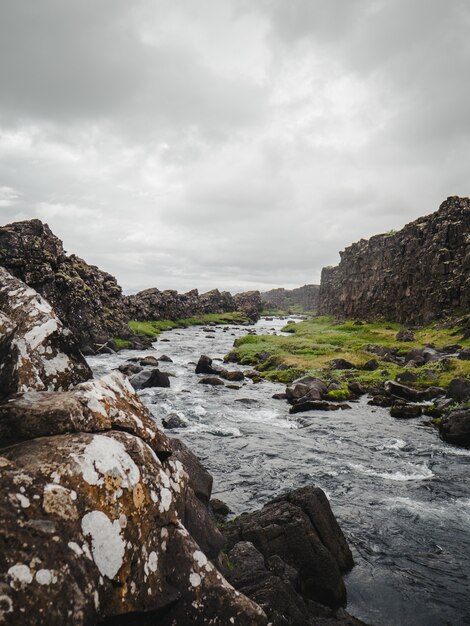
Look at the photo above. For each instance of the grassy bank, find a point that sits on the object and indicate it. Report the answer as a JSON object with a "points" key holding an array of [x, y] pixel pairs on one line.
{"points": [[314, 343], [154, 328], [297, 309]]}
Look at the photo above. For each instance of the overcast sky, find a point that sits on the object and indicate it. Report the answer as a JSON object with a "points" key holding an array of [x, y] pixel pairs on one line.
{"points": [[236, 144]]}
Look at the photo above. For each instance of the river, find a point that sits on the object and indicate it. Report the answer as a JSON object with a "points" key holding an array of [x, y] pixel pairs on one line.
{"points": [[400, 494]]}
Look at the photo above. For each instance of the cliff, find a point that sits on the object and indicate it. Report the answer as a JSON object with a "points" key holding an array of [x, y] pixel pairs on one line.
{"points": [[413, 276], [306, 297]]}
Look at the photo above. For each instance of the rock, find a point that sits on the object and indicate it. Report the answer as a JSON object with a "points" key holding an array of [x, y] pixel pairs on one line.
{"points": [[301, 530], [373, 279], [371, 365], [130, 368], [262, 357], [149, 360], [36, 351], [152, 378], [406, 411], [231, 357], [455, 428], [233, 375], [284, 299], [406, 377], [200, 480], [415, 356], [380, 400], [356, 389], [204, 366], [164, 359], [317, 405], [412, 395], [405, 335], [306, 388], [247, 401], [459, 389], [249, 303], [211, 380], [232, 386], [87, 300], [92, 406], [464, 355], [341, 364], [279, 396], [173, 420], [219, 508]]}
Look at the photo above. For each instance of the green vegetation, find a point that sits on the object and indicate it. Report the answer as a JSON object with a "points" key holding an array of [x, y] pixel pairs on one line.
{"points": [[295, 309], [314, 343], [154, 328], [122, 344]]}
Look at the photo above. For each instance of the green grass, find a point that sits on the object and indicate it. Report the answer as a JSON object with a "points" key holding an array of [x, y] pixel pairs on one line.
{"points": [[154, 328], [313, 343], [122, 344], [295, 309]]}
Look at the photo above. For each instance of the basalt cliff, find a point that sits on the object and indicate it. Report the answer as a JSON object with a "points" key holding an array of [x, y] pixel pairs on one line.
{"points": [[305, 298], [89, 301], [412, 276]]}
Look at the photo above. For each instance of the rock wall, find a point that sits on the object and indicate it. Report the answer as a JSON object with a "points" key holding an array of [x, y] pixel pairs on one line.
{"points": [[413, 276], [306, 296], [153, 304], [86, 299]]}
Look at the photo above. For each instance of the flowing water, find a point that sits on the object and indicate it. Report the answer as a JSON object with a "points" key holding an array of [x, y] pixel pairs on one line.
{"points": [[400, 494]]}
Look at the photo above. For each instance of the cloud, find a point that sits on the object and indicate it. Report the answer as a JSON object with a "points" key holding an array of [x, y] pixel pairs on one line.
{"points": [[236, 144]]}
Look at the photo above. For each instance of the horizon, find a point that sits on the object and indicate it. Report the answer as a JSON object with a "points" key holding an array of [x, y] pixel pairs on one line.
{"points": [[238, 144]]}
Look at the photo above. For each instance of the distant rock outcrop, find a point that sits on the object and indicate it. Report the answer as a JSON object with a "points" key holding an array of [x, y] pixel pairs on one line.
{"points": [[86, 299], [153, 304], [413, 276], [306, 297]]}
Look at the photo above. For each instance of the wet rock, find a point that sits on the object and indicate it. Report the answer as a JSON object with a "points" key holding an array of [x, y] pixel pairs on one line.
{"points": [[232, 386], [308, 387], [356, 389], [149, 360], [406, 411], [204, 366], [211, 380], [231, 357], [455, 428], [317, 405], [459, 389], [130, 368], [173, 420], [200, 480], [247, 401], [164, 359], [152, 378], [36, 351], [301, 530], [342, 364], [380, 400], [279, 396], [232, 375]]}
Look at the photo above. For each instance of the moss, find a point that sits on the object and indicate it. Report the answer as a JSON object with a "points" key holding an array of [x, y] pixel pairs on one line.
{"points": [[122, 344], [338, 394], [154, 328], [312, 344]]}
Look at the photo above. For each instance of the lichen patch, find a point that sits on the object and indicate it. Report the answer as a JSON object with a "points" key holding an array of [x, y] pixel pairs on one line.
{"points": [[107, 545]]}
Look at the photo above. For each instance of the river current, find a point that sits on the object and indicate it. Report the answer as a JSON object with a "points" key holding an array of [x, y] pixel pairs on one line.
{"points": [[400, 494]]}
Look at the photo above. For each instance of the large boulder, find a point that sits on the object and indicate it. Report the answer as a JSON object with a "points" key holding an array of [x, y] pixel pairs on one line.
{"points": [[459, 389], [36, 351], [409, 394], [300, 529], [150, 378], [306, 389]]}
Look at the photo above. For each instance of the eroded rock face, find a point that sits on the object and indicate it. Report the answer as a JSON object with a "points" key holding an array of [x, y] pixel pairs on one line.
{"points": [[413, 276], [153, 304], [86, 299], [36, 351], [306, 296]]}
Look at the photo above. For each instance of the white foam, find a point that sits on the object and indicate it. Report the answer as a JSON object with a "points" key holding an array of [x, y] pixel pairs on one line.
{"points": [[419, 472]]}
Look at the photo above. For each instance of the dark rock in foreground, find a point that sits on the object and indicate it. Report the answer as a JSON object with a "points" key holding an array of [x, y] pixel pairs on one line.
{"points": [[150, 378], [290, 556]]}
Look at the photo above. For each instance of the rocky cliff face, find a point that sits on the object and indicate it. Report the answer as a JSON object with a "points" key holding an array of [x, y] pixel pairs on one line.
{"points": [[86, 299], [306, 296], [153, 304], [412, 276]]}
